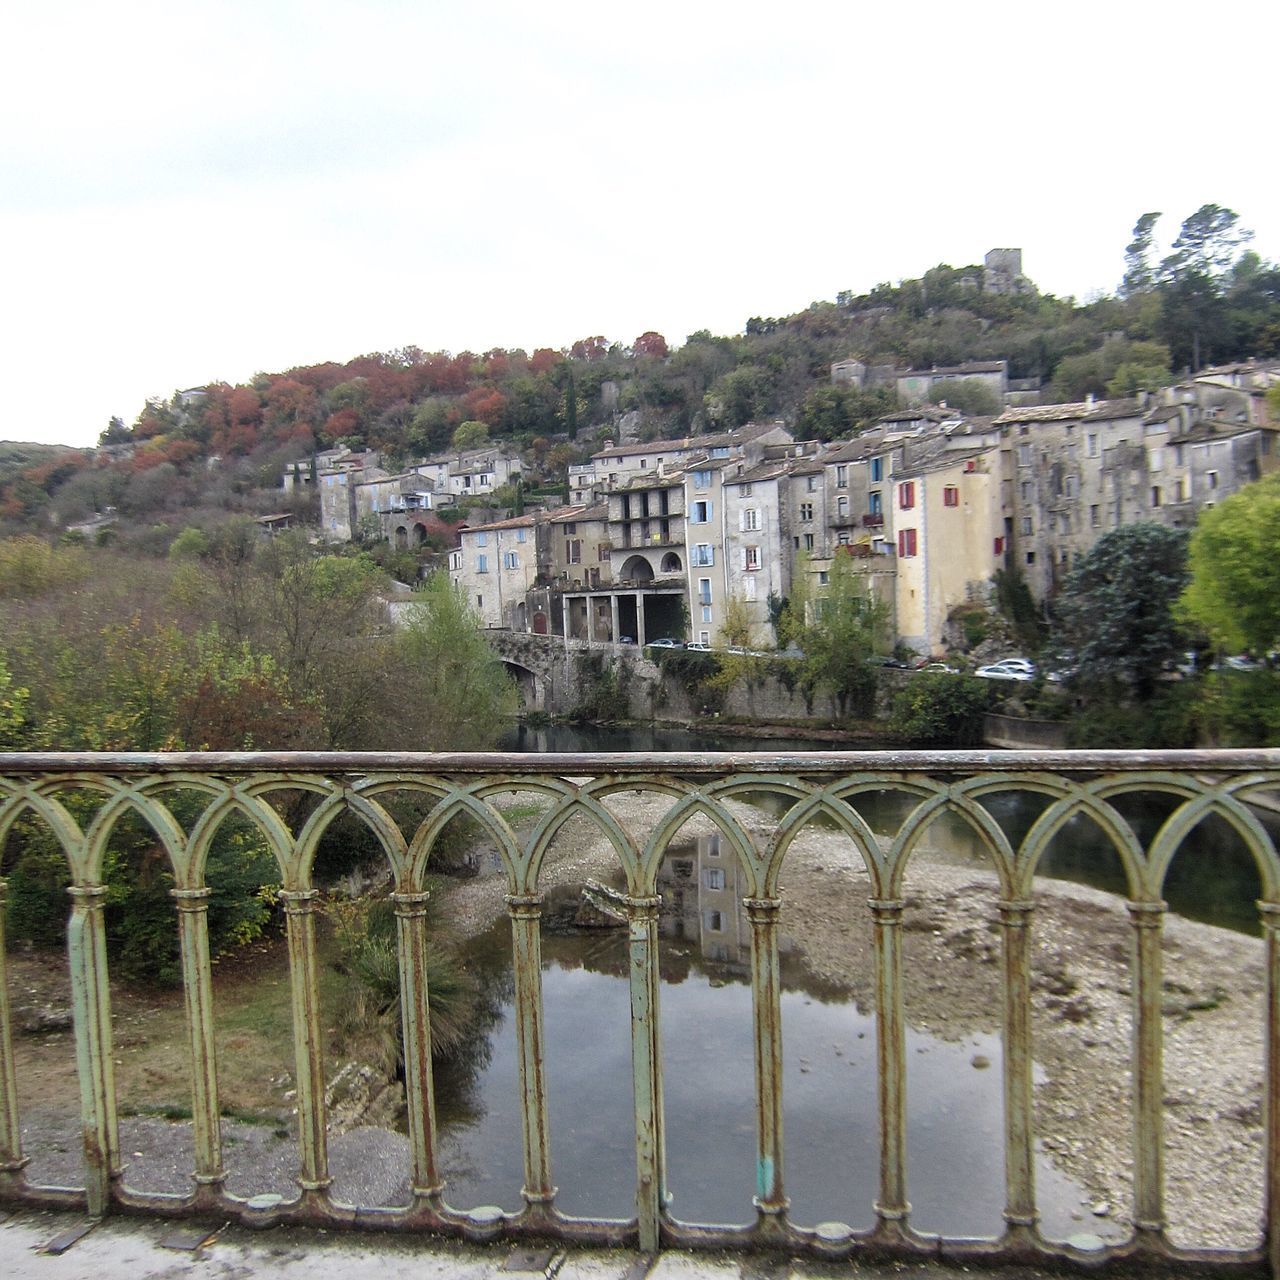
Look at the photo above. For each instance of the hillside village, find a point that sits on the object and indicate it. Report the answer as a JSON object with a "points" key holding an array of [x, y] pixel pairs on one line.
{"points": [[657, 538]]}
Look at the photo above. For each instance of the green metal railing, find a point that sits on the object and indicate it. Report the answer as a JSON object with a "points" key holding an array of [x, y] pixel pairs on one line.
{"points": [[1231, 785]]}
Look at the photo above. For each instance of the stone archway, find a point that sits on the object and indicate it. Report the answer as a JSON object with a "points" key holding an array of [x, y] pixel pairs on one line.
{"points": [[671, 563], [402, 538], [419, 535], [637, 569]]}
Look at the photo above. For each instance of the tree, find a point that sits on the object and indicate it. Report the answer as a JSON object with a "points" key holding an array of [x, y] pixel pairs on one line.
{"points": [[470, 435], [1116, 610], [970, 396], [1193, 280], [651, 343], [1139, 274], [452, 691], [1234, 591], [848, 627]]}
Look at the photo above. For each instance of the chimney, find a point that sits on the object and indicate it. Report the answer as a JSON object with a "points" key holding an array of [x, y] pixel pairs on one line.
{"points": [[1088, 401]]}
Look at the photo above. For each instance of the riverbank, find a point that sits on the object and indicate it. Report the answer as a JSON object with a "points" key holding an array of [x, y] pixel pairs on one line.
{"points": [[1082, 996]]}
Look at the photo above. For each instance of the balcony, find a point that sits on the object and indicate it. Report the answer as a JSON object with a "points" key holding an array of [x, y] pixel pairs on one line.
{"points": [[1094, 788], [873, 520]]}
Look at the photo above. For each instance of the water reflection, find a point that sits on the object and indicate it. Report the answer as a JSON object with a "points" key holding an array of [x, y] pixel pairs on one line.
{"points": [[955, 1127]]}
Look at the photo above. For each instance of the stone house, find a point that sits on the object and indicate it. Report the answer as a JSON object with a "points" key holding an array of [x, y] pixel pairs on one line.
{"points": [[496, 565]]}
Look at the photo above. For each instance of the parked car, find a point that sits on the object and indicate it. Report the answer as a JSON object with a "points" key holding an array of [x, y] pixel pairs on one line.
{"points": [[698, 646], [1007, 669], [939, 666], [666, 642]]}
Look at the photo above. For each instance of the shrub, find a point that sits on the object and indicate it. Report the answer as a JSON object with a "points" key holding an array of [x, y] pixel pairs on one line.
{"points": [[938, 709]]}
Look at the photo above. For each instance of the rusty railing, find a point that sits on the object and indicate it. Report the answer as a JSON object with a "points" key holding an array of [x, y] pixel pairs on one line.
{"points": [[812, 785]]}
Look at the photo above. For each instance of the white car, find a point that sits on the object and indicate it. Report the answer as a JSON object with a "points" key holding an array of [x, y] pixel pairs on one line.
{"points": [[1008, 669]]}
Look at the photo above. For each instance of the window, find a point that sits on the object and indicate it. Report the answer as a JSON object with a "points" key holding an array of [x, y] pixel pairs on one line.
{"points": [[713, 877], [701, 513], [808, 542], [643, 464], [704, 590], [997, 547], [1155, 495], [510, 560], [750, 518], [749, 589], [907, 495], [479, 602], [906, 542], [877, 470], [874, 503], [1212, 477], [1064, 522], [573, 551], [702, 479], [842, 507], [484, 482], [806, 511], [1025, 490], [482, 564], [1091, 446], [842, 477], [720, 451], [1026, 525], [1095, 516], [520, 535], [713, 921], [750, 557], [1069, 486], [1031, 557], [570, 528], [704, 554], [482, 539], [824, 577], [704, 637], [744, 490], [811, 483], [706, 613], [950, 496], [1180, 491], [1179, 453]]}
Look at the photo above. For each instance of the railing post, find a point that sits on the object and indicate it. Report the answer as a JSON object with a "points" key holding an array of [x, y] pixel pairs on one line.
{"points": [[415, 1012], [12, 1160], [1148, 1070], [197, 985], [1270, 916], [300, 921], [1019, 1164], [891, 1207], [766, 988], [646, 1070], [526, 941], [91, 1010]]}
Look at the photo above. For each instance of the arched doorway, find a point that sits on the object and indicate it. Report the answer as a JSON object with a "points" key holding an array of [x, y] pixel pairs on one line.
{"points": [[637, 569], [539, 624], [402, 538], [671, 563]]}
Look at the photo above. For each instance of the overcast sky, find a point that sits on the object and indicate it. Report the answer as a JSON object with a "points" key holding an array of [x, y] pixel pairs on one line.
{"points": [[193, 192]]}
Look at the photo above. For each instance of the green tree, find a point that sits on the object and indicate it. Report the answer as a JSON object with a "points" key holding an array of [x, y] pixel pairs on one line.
{"points": [[939, 709], [1234, 591], [452, 692], [470, 435], [847, 628], [1139, 273], [1116, 610], [971, 396]]}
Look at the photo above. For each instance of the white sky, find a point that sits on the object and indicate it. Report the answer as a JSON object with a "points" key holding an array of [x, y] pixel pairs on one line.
{"points": [[194, 191]]}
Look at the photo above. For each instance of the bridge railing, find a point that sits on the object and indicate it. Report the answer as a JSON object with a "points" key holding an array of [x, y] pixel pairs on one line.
{"points": [[1235, 786]]}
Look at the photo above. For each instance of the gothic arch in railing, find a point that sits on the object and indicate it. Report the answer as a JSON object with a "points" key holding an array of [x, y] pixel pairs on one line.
{"points": [[694, 801]]}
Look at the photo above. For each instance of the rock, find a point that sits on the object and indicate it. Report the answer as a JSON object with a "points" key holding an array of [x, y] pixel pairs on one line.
{"points": [[980, 1061], [34, 1020], [1101, 1209]]}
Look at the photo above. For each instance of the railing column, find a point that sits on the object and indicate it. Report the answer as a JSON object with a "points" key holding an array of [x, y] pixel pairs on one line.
{"points": [[1148, 1070], [91, 1009], [12, 1160], [1270, 915], [766, 987], [1019, 1163], [526, 941], [415, 1012], [300, 920], [193, 939], [646, 1070], [891, 1207]]}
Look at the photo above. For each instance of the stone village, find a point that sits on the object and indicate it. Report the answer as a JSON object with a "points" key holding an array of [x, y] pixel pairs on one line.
{"points": [[656, 539]]}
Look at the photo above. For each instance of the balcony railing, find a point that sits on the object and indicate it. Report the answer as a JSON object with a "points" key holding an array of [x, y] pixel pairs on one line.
{"points": [[809, 787]]}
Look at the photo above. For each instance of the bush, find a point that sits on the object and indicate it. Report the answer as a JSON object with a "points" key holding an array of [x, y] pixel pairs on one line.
{"points": [[937, 709]]}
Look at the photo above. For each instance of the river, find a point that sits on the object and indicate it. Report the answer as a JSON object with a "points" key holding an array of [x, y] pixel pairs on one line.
{"points": [[955, 1146]]}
